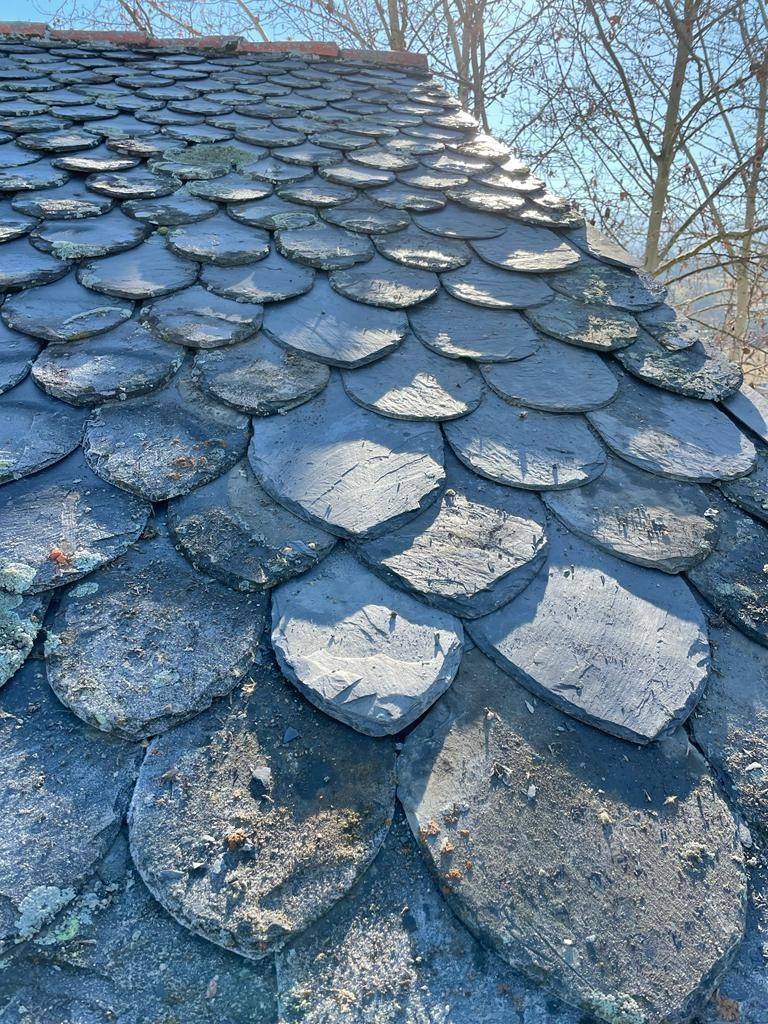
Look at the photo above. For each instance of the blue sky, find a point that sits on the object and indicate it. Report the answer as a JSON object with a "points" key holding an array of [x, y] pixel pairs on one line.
{"points": [[22, 10]]}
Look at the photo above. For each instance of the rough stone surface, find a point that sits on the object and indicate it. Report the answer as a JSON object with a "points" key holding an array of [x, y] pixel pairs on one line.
{"points": [[89, 237], [601, 247], [35, 430], [23, 266], [369, 655], [20, 622], [673, 436], [164, 444], [198, 318], [641, 517], [347, 469], [227, 803], [750, 408], [480, 284], [587, 326], [148, 643], [454, 329], [65, 790], [647, 848], [180, 208], [525, 447], [63, 311], [323, 246], [473, 550], [144, 273]]}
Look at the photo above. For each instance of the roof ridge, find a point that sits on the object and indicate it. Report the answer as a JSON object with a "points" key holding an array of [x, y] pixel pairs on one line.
{"points": [[230, 43]]}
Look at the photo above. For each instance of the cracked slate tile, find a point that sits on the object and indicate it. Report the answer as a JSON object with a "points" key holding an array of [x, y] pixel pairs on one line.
{"points": [[604, 285], [670, 328], [699, 371]]}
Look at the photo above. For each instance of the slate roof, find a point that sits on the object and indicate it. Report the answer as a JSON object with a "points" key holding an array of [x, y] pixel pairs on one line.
{"points": [[376, 542]]}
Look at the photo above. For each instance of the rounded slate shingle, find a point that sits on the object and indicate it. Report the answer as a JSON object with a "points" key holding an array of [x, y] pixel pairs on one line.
{"points": [[63, 311], [525, 447], [90, 161], [600, 247], [347, 469], [23, 266], [272, 279], [17, 353], [416, 248], [750, 492], [163, 444], [406, 197], [458, 222], [291, 804], [231, 188], [89, 236], [144, 273], [528, 249], [373, 657], [67, 202], [201, 319], [179, 208], [148, 642], [324, 246], [273, 213], [587, 326], [454, 329], [35, 430], [380, 282], [480, 284], [670, 328], [121, 363], [700, 371], [219, 240], [366, 217], [41, 174], [13, 224], [137, 183], [609, 286]]}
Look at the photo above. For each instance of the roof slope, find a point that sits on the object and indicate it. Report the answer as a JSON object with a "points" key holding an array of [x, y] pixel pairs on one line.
{"points": [[284, 339]]}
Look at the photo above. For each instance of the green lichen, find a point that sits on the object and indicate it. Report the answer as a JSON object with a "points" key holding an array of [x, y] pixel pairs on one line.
{"points": [[39, 906], [17, 577], [616, 1009], [52, 643], [86, 561], [17, 635], [84, 590]]}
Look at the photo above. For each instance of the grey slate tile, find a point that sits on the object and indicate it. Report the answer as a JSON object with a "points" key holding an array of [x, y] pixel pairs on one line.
{"points": [[457, 330], [63, 311], [35, 430], [200, 319]]}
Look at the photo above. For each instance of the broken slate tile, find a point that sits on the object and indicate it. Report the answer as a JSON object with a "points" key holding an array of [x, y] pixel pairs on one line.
{"points": [[121, 363], [219, 240], [700, 371], [416, 248], [272, 279], [23, 266], [66, 788], [391, 951], [63, 311], [259, 377], [471, 551], [596, 327], [380, 282], [480, 284], [200, 319], [17, 353], [369, 655], [733, 577], [35, 430], [323, 246], [329, 327], [604, 285], [232, 530], [143, 273], [525, 447], [670, 328], [527, 249], [292, 825], [556, 378], [89, 236], [547, 888], [414, 383], [20, 622], [632, 654], [751, 492], [62, 523], [347, 469], [459, 331], [148, 642], [163, 444], [673, 436], [641, 517], [115, 954]]}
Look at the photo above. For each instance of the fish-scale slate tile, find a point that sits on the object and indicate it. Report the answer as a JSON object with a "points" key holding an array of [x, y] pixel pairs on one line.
{"points": [[414, 383], [587, 326], [275, 171], [391, 951], [730, 723], [604, 285], [369, 655], [64, 140], [88, 237], [219, 240], [62, 523], [527, 249], [647, 848], [148, 642], [455, 329], [24, 266], [273, 279], [380, 282], [37, 175], [273, 213], [407, 197], [231, 188], [233, 530], [366, 217], [632, 654], [65, 790], [324, 246], [20, 621], [750, 408], [673, 436], [136, 183], [357, 176], [458, 222], [470, 552], [526, 447], [91, 161], [121, 363], [115, 954], [63, 311], [260, 378], [13, 224], [349, 470], [480, 284], [602, 247], [670, 328], [180, 208], [17, 353], [144, 273], [317, 192], [163, 444], [556, 378], [733, 577], [329, 327], [35, 430], [69, 201], [700, 371], [641, 517], [416, 248], [751, 492], [198, 318], [263, 796]]}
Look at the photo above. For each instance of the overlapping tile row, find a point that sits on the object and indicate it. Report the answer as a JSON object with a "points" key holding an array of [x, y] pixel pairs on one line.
{"points": [[308, 387]]}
